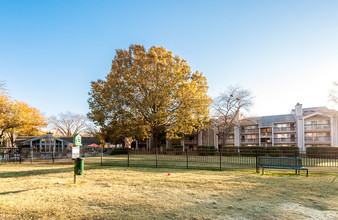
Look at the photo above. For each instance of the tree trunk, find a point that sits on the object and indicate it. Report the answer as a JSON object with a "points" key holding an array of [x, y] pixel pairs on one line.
{"points": [[156, 139]]}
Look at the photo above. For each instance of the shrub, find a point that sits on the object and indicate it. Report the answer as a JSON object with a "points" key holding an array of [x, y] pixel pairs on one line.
{"points": [[206, 150], [250, 151], [178, 149], [118, 151], [280, 151], [322, 152], [229, 151]]}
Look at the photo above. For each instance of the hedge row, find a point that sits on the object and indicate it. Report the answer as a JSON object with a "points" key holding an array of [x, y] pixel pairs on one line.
{"points": [[206, 150], [322, 152], [118, 151], [178, 149], [250, 151]]}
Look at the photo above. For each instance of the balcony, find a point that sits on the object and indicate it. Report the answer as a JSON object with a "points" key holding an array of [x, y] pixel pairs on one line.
{"points": [[285, 140], [249, 131], [249, 140], [266, 144], [318, 140], [266, 134], [228, 141], [284, 129], [188, 141], [317, 127]]}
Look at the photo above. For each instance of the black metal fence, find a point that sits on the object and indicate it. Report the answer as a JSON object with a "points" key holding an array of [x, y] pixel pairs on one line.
{"points": [[9, 154], [226, 158], [223, 159]]}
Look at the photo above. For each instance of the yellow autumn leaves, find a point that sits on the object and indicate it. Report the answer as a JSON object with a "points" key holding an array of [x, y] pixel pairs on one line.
{"points": [[18, 117], [148, 93]]}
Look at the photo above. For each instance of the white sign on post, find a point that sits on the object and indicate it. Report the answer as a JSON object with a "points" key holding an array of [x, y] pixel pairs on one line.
{"points": [[76, 152]]}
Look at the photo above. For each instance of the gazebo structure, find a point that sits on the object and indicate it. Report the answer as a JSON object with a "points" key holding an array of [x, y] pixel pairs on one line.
{"points": [[46, 144]]}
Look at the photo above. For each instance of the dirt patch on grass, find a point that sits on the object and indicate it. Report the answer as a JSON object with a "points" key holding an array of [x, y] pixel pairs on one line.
{"points": [[317, 211]]}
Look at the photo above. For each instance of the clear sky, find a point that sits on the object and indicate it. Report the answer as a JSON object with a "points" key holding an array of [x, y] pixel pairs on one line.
{"points": [[283, 51]]}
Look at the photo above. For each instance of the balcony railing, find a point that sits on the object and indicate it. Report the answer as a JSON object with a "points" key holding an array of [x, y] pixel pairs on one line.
{"points": [[278, 129], [318, 139], [249, 140], [229, 141], [284, 140], [266, 134], [189, 141], [317, 127], [249, 130]]}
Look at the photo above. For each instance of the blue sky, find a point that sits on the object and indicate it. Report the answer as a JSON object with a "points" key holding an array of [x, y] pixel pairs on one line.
{"points": [[283, 51]]}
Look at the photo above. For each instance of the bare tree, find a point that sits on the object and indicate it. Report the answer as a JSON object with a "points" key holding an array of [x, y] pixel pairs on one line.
{"points": [[91, 130], [333, 96], [3, 89], [68, 124], [227, 107]]}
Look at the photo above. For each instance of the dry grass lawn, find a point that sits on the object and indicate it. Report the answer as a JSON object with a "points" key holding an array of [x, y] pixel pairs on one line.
{"points": [[47, 192]]}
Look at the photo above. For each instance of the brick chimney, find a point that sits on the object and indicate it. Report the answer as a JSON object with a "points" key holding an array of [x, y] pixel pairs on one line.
{"points": [[299, 110]]}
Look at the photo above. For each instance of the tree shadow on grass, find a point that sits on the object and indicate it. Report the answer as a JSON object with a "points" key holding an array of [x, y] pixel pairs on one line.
{"points": [[44, 171], [11, 192], [34, 172]]}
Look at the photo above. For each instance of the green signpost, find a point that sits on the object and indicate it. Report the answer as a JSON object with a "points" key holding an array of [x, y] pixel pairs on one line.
{"points": [[77, 140], [79, 162]]}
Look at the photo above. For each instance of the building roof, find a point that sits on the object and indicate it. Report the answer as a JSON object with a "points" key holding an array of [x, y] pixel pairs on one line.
{"points": [[21, 139], [311, 110], [84, 140], [268, 121], [250, 121]]}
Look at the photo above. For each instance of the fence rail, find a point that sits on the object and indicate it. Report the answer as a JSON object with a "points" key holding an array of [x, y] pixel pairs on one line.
{"points": [[232, 158], [9, 154], [226, 158]]}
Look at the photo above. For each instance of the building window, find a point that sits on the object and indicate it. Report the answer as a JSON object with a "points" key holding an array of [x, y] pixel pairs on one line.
{"points": [[265, 129]]}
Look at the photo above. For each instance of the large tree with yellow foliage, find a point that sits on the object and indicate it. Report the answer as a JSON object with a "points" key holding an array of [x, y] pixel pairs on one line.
{"points": [[147, 93], [18, 118]]}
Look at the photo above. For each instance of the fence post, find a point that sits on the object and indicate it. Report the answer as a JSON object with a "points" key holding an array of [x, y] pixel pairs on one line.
{"points": [[128, 156], [20, 154], [53, 154], [296, 162], [220, 158], [101, 155], [31, 155], [186, 154], [257, 167]]}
